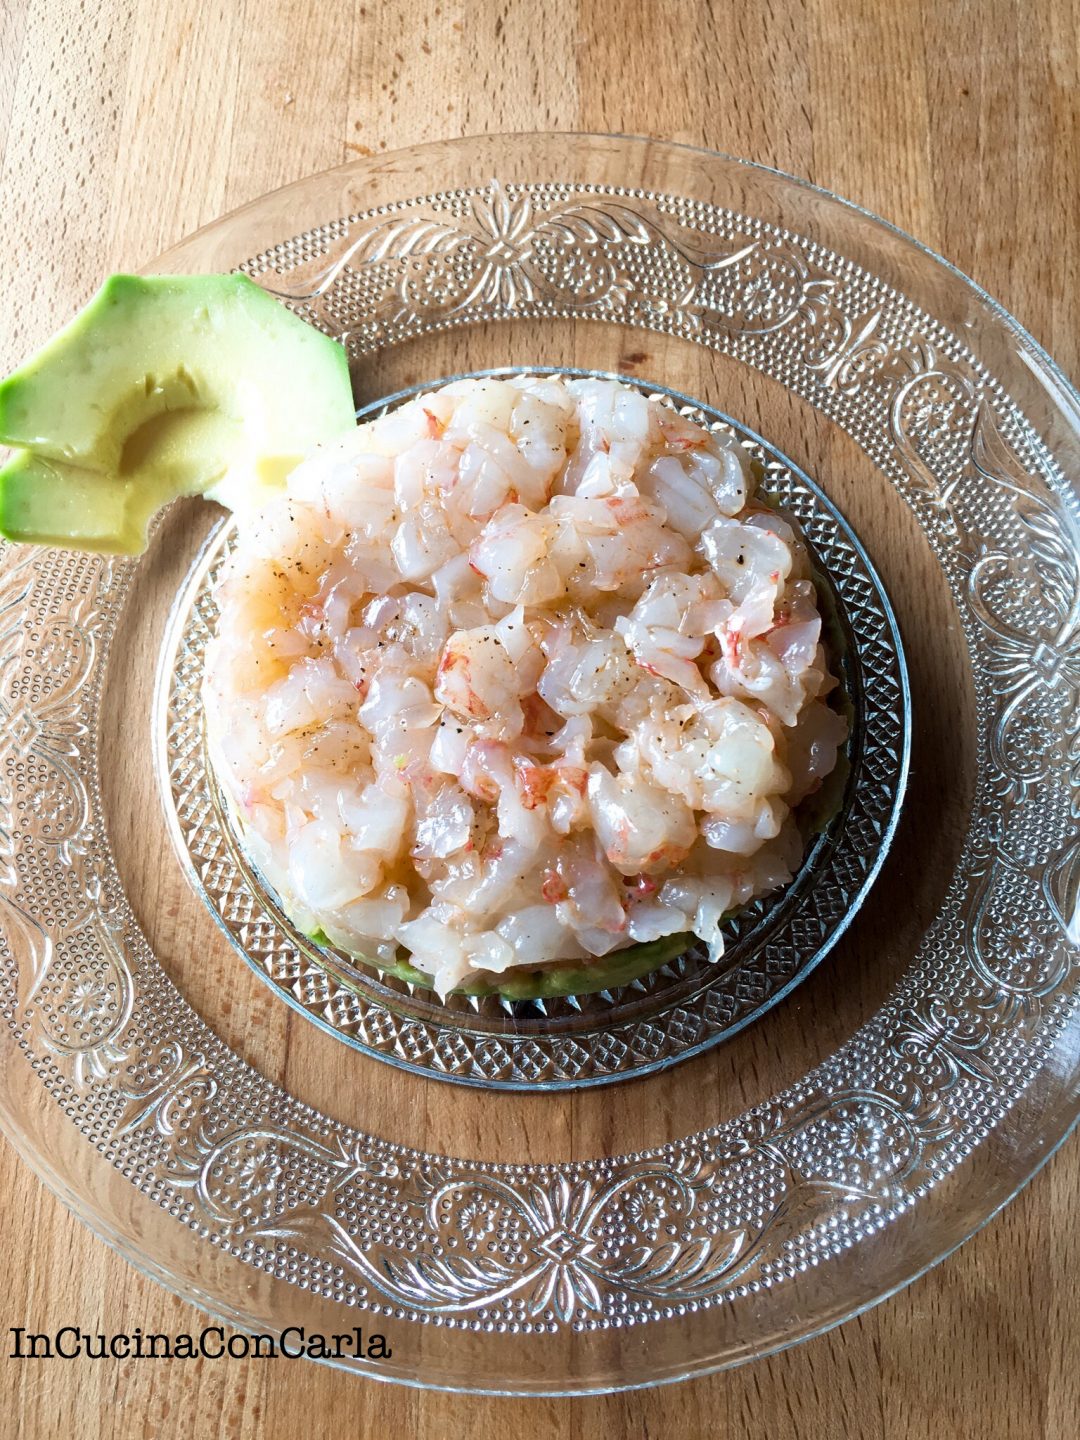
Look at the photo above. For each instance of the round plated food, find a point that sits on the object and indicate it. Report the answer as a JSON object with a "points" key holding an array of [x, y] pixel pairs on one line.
{"points": [[518, 676]]}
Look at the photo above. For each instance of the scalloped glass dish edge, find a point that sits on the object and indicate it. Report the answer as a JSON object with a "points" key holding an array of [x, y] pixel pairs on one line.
{"points": [[922, 1189]]}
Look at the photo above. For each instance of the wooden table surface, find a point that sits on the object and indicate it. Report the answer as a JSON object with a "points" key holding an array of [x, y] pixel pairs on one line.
{"points": [[125, 125]]}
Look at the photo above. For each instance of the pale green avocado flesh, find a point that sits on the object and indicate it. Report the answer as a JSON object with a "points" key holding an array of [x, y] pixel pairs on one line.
{"points": [[570, 978], [163, 386]]}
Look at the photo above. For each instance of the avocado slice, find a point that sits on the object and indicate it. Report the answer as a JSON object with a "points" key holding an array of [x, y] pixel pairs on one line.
{"points": [[49, 502], [163, 386]]}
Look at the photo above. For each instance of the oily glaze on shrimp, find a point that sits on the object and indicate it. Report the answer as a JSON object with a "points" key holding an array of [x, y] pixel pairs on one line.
{"points": [[520, 673]]}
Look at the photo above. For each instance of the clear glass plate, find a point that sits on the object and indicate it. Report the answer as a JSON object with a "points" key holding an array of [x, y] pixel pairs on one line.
{"points": [[761, 1191]]}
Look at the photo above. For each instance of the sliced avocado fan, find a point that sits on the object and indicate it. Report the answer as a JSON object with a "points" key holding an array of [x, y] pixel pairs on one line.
{"points": [[163, 386]]}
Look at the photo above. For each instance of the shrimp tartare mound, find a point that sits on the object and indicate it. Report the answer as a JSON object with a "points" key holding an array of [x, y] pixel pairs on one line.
{"points": [[519, 673]]}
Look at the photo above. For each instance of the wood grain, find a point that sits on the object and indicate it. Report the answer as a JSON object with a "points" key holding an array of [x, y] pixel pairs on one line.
{"points": [[123, 126]]}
